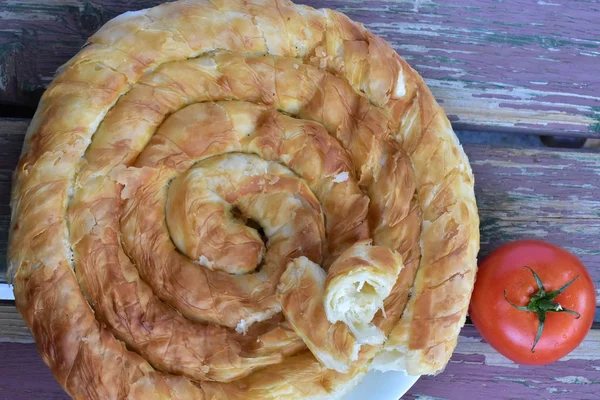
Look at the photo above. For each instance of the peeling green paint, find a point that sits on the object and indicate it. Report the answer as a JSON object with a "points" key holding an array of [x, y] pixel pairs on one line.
{"points": [[546, 42], [448, 60], [596, 117]]}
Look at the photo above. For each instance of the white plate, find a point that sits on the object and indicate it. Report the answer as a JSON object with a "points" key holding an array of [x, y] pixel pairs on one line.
{"points": [[376, 385], [6, 292]]}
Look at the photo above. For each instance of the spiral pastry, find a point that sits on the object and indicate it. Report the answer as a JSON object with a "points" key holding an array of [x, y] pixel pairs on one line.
{"points": [[203, 177]]}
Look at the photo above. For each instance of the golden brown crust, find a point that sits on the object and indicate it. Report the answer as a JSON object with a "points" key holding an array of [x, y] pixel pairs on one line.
{"points": [[426, 335], [301, 293], [155, 92]]}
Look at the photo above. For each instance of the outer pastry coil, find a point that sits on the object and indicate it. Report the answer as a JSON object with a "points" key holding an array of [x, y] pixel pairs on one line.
{"points": [[186, 157]]}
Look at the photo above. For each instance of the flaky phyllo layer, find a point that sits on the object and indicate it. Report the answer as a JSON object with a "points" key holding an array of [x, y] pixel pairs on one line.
{"points": [[240, 200]]}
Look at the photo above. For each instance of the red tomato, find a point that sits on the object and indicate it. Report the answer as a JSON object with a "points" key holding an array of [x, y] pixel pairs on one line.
{"points": [[512, 331]]}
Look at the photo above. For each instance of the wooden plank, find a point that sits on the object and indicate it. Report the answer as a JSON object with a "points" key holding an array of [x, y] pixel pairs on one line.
{"points": [[12, 133], [475, 371], [4, 226], [516, 65], [542, 194], [537, 193], [12, 327], [24, 375]]}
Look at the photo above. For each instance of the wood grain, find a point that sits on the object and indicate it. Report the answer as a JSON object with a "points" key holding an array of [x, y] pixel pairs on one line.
{"points": [[24, 376], [475, 371], [12, 327], [542, 194], [515, 65]]}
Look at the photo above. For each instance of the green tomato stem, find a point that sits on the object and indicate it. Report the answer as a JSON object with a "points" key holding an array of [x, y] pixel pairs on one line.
{"points": [[542, 302]]}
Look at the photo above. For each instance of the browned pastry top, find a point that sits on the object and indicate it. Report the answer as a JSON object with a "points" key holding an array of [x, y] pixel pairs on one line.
{"points": [[169, 139]]}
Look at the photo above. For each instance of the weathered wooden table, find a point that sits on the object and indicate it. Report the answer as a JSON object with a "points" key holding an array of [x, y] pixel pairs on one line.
{"points": [[519, 67]]}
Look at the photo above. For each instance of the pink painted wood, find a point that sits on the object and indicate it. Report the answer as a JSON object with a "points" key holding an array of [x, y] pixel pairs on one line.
{"points": [[24, 376], [514, 65], [486, 376]]}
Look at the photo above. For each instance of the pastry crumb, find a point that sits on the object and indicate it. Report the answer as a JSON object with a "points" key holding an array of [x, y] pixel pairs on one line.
{"points": [[242, 327], [341, 177], [205, 262]]}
